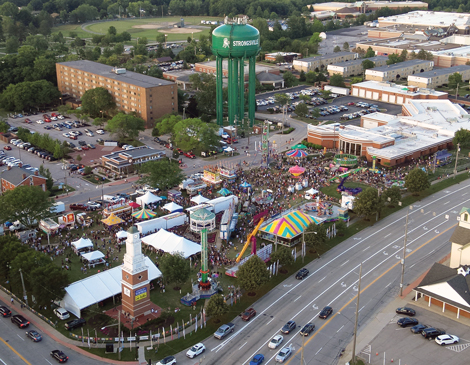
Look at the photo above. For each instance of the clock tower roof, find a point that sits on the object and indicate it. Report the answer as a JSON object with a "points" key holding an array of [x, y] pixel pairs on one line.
{"points": [[132, 230]]}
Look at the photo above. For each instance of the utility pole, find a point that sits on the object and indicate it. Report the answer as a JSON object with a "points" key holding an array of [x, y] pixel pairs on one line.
{"points": [[404, 254], [25, 297], [302, 353], [357, 316], [457, 92], [456, 160]]}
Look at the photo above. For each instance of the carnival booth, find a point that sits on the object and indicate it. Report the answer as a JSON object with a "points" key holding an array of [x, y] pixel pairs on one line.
{"points": [[199, 199], [173, 207], [288, 229], [82, 245], [94, 258], [112, 220], [147, 198], [172, 243]]}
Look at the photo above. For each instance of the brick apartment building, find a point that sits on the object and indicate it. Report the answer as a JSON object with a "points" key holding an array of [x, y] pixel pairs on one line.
{"points": [[148, 96], [18, 176], [398, 70], [354, 67], [320, 62], [438, 77]]}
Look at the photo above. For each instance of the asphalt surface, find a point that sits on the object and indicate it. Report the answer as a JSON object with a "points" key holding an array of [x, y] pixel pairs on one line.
{"points": [[337, 37]]}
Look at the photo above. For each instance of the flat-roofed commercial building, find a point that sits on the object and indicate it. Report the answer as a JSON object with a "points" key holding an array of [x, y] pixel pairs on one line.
{"points": [[425, 127], [354, 67], [438, 77], [147, 96], [125, 161], [389, 92], [398, 70], [321, 62]]}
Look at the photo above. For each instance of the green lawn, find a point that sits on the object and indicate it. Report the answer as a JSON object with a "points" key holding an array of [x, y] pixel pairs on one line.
{"points": [[76, 28]]}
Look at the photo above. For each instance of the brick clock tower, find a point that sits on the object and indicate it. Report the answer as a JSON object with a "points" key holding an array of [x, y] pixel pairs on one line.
{"points": [[135, 282]]}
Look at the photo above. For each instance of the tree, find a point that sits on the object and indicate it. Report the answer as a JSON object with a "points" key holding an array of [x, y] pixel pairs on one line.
{"points": [[393, 58], [27, 94], [367, 202], [404, 55], [416, 181], [425, 55], [454, 80], [63, 109], [301, 110], [315, 38], [48, 282], [193, 133], [174, 268], [337, 49], [205, 94], [283, 255], [97, 101], [462, 136], [369, 53], [302, 75], [346, 47], [4, 126], [216, 307], [252, 274], [166, 125], [289, 79], [12, 44], [337, 80], [392, 195], [26, 204], [126, 126], [46, 173], [317, 239], [163, 174], [311, 77], [367, 64], [281, 99]]}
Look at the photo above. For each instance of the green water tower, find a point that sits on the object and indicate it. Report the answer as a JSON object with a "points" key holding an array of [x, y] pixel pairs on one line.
{"points": [[238, 42]]}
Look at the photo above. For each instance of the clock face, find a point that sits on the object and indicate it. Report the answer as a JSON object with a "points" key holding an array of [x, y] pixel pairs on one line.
{"points": [[136, 235], [127, 276], [127, 292]]}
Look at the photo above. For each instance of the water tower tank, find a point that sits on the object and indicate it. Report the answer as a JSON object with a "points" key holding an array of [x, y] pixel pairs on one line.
{"points": [[235, 40]]}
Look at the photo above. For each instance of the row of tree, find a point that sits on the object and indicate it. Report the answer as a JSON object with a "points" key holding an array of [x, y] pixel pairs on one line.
{"points": [[45, 142]]}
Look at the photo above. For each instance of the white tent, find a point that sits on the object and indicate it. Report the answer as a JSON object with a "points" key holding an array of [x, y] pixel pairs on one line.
{"points": [[228, 149], [93, 256], [82, 243], [312, 191], [147, 198], [173, 207], [199, 199], [99, 287], [121, 234], [170, 242]]}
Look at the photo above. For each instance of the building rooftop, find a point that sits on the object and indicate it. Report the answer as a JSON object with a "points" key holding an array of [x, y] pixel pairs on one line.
{"points": [[397, 89], [359, 61], [132, 78], [429, 18], [442, 71], [267, 76], [325, 56], [399, 65], [123, 158], [432, 44], [16, 175], [258, 67]]}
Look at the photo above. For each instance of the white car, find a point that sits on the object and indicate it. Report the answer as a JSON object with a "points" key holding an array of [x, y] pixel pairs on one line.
{"points": [[40, 121], [73, 133], [60, 116], [197, 349], [100, 131], [93, 205], [446, 339], [284, 354], [61, 313], [66, 135], [275, 342], [54, 118]]}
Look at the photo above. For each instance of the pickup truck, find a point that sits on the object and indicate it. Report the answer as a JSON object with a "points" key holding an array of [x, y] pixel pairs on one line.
{"points": [[76, 323], [224, 330]]}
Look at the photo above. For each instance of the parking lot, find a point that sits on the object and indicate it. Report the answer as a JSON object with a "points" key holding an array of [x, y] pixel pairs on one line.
{"points": [[404, 347]]}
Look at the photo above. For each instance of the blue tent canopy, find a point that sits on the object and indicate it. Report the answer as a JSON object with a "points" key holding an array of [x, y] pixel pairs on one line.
{"points": [[245, 185]]}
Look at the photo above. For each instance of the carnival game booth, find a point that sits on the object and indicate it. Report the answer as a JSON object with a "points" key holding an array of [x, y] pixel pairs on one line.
{"points": [[199, 199], [94, 258], [82, 245], [196, 188], [96, 288], [174, 194], [117, 208], [172, 243], [112, 220], [228, 172], [211, 175], [286, 230], [173, 207], [165, 222]]}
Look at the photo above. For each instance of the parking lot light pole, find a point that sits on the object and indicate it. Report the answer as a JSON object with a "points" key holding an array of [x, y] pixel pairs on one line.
{"points": [[303, 244], [404, 252]]}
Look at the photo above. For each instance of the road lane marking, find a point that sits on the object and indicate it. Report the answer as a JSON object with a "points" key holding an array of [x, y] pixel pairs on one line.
{"points": [[297, 299], [344, 263], [16, 352], [387, 235], [316, 353], [362, 308], [369, 285], [340, 328], [22, 339], [390, 283], [366, 248], [322, 279], [48, 361], [446, 203], [270, 321], [3, 362], [243, 345]]}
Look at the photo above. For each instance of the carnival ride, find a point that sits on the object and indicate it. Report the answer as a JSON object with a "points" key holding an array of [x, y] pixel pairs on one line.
{"points": [[352, 191], [257, 218]]}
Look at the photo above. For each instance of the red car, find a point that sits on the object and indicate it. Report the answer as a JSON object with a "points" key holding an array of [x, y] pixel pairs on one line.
{"points": [[54, 115], [47, 119], [249, 313], [189, 155], [180, 151], [85, 148], [8, 148], [27, 120], [78, 207], [351, 103], [231, 140]]}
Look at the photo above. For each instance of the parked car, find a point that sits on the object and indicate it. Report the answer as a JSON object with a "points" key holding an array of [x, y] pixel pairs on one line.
{"points": [[249, 313], [91, 146], [5, 311], [196, 350], [93, 205], [78, 206], [62, 313], [406, 311], [59, 356], [418, 328], [302, 274], [7, 148], [431, 333], [34, 335], [307, 329], [325, 312], [446, 340], [169, 360], [288, 327], [76, 323], [275, 342], [284, 354], [407, 321], [20, 321], [100, 131]]}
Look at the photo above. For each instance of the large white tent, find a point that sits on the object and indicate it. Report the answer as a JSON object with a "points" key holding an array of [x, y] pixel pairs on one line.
{"points": [[121, 234], [173, 207], [99, 287], [147, 198], [170, 242], [82, 243], [93, 256], [199, 199]]}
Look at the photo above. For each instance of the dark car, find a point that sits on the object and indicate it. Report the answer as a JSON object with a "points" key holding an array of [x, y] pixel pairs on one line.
{"points": [[20, 321], [122, 195], [76, 323], [418, 328], [4, 311], [432, 333], [325, 312], [169, 360], [308, 328], [82, 143], [78, 206], [302, 274], [34, 335], [406, 311], [59, 356], [288, 327], [407, 321], [91, 145], [249, 313]]}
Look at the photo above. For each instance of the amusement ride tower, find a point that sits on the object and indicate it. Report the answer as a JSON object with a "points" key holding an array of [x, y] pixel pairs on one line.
{"points": [[236, 41]]}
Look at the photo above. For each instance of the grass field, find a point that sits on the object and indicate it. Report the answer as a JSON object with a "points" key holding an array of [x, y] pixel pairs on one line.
{"points": [[164, 25]]}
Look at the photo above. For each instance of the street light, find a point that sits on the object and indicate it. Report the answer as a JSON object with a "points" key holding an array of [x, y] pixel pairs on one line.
{"points": [[303, 243], [404, 252]]}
